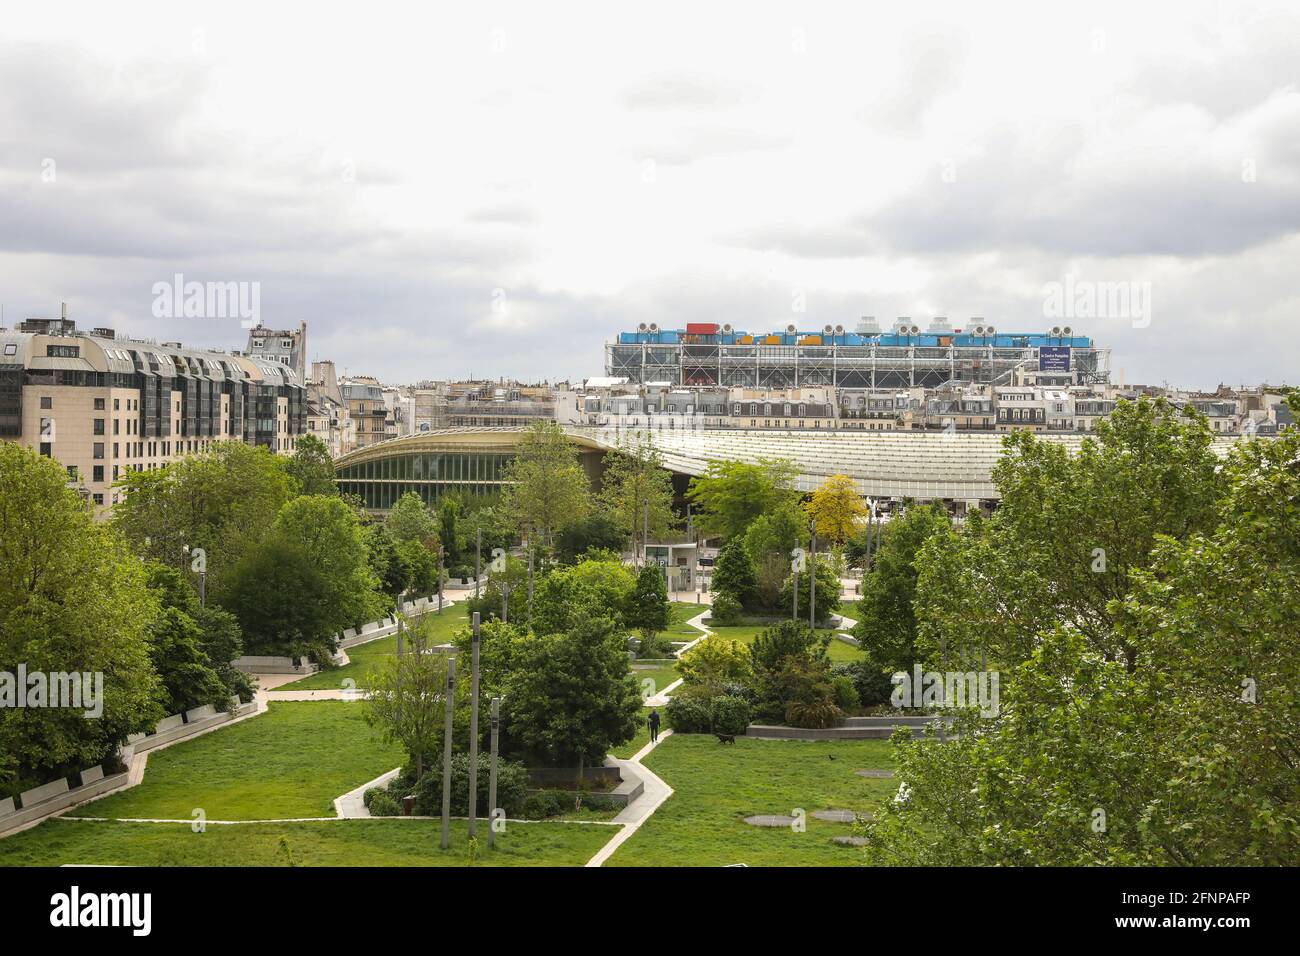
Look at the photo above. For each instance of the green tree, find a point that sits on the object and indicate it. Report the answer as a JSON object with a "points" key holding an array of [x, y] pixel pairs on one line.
{"points": [[732, 494], [887, 625], [179, 647], [311, 467], [449, 511], [308, 581], [72, 598], [715, 662], [770, 541], [647, 606], [572, 696], [410, 520], [637, 490], [828, 592], [595, 532], [223, 501], [1158, 729], [407, 701], [547, 488], [591, 588], [733, 573]]}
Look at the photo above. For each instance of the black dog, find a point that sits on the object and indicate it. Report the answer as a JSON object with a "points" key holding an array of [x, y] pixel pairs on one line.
{"points": [[726, 738]]}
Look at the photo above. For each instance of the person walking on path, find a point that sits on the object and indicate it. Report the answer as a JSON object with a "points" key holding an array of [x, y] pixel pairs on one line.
{"points": [[653, 721]]}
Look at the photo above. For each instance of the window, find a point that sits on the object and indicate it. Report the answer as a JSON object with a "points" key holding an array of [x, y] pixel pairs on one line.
{"points": [[11, 349], [99, 450], [47, 402], [99, 498], [99, 426], [117, 404], [98, 473], [99, 404]]}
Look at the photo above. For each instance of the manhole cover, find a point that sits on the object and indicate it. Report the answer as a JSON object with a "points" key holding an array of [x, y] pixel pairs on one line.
{"points": [[835, 816], [876, 774]]}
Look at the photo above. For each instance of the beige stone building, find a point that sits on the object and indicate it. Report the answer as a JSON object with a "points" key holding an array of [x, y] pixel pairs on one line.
{"points": [[103, 405]]}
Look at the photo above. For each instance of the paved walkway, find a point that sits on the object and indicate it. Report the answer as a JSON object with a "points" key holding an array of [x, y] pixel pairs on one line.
{"points": [[352, 805], [640, 809]]}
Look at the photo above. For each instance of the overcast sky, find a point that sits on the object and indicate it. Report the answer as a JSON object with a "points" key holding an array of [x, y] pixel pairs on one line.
{"points": [[499, 191]]}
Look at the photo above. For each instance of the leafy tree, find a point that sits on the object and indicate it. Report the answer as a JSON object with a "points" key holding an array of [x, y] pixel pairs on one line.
{"points": [[410, 520], [591, 588], [1068, 534], [647, 606], [637, 488], [733, 573], [837, 508], [1158, 729], [407, 701], [223, 501], [887, 625], [770, 541], [489, 602], [449, 510], [732, 494], [307, 582], [572, 696], [792, 668], [597, 531], [547, 487], [72, 598], [828, 592], [311, 467], [179, 648]]}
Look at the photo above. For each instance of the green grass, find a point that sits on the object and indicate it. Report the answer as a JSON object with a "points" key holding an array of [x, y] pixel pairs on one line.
{"points": [[363, 658], [718, 785], [683, 611], [289, 762], [746, 633], [662, 677], [342, 843]]}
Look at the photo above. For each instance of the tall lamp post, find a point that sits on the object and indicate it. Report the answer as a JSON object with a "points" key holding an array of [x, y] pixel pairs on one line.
{"points": [[473, 731], [492, 774], [478, 558], [812, 577], [446, 751]]}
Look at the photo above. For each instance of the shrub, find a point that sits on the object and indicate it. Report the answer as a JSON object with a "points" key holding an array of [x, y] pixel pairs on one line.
{"points": [[714, 661], [689, 714], [726, 610], [543, 804], [818, 713], [730, 715], [512, 786], [870, 680], [381, 804], [843, 692]]}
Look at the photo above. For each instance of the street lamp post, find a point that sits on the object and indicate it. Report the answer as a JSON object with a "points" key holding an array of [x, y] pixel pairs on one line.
{"points": [[492, 774], [812, 577], [473, 731], [446, 751], [478, 558]]}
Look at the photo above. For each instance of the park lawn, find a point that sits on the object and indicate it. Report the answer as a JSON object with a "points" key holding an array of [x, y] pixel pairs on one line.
{"points": [[718, 785], [291, 761], [363, 658], [388, 842], [662, 677], [746, 633], [681, 612]]}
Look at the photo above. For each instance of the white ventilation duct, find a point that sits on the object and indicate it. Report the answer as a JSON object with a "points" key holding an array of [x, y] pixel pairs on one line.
{"points": [[868, 325], [940, 326], [790, 330]]}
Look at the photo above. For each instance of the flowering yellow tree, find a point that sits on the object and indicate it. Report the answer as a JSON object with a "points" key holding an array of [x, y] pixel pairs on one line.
{"points": [[837, 508]]}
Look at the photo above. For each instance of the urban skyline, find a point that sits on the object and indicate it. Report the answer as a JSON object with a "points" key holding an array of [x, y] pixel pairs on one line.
{"points": [[805, 168]]}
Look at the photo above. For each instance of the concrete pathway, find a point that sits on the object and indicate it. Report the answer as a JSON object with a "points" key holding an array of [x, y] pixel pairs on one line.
{"points": [[352, 805], [335, 693], [640, 809]]}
